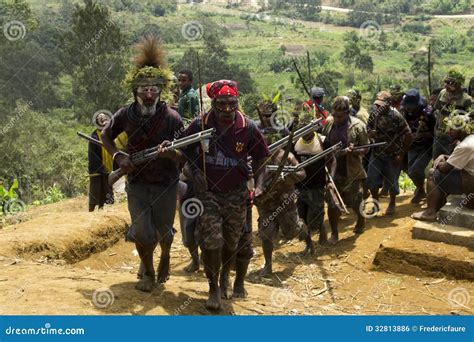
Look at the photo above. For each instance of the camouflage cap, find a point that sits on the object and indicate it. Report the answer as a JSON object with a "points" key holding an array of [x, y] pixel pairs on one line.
{"points": [[455, 75], [382, 98]]}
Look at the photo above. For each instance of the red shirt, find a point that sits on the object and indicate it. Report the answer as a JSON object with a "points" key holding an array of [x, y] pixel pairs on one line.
{"points": [[308, 105], [226, 161]]}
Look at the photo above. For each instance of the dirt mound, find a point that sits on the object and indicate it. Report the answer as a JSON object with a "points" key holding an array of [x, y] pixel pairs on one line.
{"points": [[418, 261], [65, 231]]}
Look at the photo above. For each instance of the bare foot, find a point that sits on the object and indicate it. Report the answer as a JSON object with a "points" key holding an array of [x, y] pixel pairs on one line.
{"points": [[239, 291], [308, 251], [390, 210], [146, 284], [226, 291], [192, 267], [359, 228], [163, 270], [333, 240], [214, 300], [141, 271], [419, 196], [424, 216], [266, 271]]}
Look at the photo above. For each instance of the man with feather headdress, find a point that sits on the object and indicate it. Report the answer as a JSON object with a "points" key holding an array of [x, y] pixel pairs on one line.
{"points": [[152, 187]]}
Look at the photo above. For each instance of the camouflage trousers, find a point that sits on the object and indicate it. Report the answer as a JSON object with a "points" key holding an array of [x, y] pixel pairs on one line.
{"points": [[284, 218], [222, 219]]}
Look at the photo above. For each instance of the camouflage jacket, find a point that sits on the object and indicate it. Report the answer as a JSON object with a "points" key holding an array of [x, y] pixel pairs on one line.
{"points": [[445, 104], [390, 127], [357, 135], [188, 105]]}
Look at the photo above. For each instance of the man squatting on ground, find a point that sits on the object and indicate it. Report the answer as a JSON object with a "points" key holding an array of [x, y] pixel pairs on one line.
{"points": [[152, 187], [220, 179], [451, 174]]}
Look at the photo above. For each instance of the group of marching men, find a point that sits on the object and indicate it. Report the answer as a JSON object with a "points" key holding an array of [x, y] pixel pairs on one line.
{"points": [[287, 172]]}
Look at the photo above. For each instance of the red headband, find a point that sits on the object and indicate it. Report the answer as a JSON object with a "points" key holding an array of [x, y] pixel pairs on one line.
{"points": [[222, 88]]}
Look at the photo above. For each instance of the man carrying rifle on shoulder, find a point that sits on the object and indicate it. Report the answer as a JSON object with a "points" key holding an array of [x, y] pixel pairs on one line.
{"points": [[152, 186], [348, 172]]}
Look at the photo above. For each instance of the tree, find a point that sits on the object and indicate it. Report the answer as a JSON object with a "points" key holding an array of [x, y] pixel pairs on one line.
{"points": [[214, 64], [96, 49], [352, 56]]}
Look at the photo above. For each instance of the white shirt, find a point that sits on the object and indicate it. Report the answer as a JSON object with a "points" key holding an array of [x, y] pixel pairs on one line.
{"points": [[462, 157]]}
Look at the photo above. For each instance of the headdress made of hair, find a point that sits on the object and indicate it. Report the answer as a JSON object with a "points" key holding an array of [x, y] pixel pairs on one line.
{"points": [[149, 66]]}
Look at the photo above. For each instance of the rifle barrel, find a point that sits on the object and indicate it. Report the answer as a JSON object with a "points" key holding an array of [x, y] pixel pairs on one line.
{"points": [[298, 134], [90, 139]]}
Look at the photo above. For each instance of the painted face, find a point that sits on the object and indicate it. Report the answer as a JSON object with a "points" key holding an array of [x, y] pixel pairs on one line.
{"points": [[148, 97], [225, 108]]}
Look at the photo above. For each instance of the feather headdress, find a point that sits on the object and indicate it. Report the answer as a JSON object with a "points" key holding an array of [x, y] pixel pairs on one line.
{"points": [[149, 65]]}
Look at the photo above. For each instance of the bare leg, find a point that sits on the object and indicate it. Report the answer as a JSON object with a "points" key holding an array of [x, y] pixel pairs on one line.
{"points": [[333, 215], [241, 266], [228, 259], [267, 246], [434, 198], [147, 282], [194, 264], [212, 265], [164, 265], [391, 205], [419, 192]]}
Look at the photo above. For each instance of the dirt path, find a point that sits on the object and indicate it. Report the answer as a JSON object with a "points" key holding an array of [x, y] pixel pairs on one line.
{"points": [[337, 280]]}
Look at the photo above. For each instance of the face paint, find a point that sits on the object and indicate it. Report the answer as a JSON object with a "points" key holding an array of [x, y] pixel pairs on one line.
{"points": [[225, 109], [148, 98]]}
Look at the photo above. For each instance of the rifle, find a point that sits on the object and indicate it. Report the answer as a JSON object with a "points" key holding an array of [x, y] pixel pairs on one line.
{"points": [[334, 195], [309, 161], [92, 140], [298, 134], [146, 155]]}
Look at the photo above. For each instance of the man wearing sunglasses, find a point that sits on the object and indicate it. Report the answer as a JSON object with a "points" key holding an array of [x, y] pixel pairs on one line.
{"points": [[452, 97], [220, 174], [152, 187]]}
